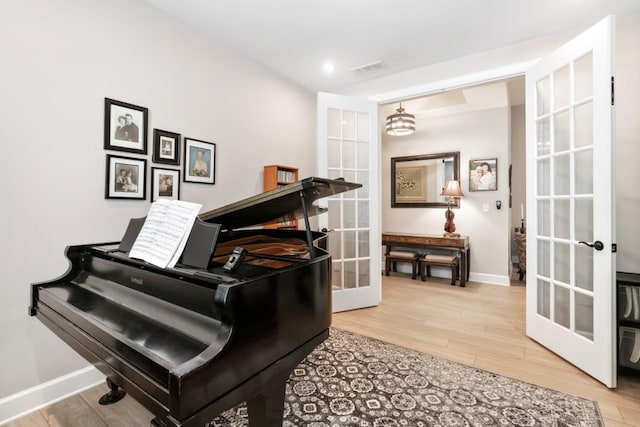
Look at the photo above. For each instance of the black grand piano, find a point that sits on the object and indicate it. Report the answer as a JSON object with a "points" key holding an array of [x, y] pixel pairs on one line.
{"points": [[226, 325]]}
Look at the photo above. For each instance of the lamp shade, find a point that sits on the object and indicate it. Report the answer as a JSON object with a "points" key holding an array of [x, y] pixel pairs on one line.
{"points": [[452, 189], [401, 123]]}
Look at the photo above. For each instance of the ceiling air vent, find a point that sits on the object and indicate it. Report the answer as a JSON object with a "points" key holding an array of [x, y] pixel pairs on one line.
{"points": [[369, 68]]}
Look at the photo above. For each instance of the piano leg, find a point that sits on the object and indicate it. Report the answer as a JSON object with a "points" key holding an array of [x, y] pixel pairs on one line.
{"points": [[267, 408], [115, 394]]}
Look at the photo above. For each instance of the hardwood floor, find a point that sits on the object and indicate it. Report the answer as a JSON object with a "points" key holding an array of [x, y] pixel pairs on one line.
{"points": [[480, 325]]}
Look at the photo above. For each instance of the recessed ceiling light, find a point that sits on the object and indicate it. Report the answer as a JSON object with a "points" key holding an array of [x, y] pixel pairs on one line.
{"points": [[328, 67]]}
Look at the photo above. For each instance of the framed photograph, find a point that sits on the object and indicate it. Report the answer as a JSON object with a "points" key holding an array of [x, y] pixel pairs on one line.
{"points": [[483, 174], [165, 184], [166, 147], [125, 127], [199, 161], [126, 178]]}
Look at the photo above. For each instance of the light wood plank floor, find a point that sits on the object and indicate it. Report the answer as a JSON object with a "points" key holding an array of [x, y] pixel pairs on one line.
{"points": [[480, 325]]}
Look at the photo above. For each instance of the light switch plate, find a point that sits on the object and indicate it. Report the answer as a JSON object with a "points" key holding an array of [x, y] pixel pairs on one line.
{"points": [[485, 207]]}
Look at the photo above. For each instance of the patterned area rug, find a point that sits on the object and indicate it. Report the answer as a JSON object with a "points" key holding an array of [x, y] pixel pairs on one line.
{"points": [[352, 380]]}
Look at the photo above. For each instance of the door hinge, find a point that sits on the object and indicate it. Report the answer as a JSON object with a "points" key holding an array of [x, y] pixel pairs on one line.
{"points": [[614, 247], [613, 92]]}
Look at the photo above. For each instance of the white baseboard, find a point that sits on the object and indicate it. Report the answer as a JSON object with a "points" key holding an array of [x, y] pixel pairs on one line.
{"points": [[492, 279], [34, 398]]}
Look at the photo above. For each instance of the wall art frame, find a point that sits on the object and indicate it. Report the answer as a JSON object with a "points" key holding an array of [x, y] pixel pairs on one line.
{"points": [[483, 174], [199, 161], [165, 184], [166, 147], [125, 126], [125, 178]]}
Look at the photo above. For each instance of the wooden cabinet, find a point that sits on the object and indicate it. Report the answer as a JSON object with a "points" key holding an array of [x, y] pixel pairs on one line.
{"points": [[628, 285], [276, 176]]}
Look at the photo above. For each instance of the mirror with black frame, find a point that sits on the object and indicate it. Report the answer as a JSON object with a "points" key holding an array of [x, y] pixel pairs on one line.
{"points": [[417, 181]]}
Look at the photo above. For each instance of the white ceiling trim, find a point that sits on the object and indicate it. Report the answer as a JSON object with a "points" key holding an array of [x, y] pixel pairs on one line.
{"points": [[458, 82]]}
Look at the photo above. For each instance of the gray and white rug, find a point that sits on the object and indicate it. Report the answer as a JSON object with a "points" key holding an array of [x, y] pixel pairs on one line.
{"points": [[352, 380]]}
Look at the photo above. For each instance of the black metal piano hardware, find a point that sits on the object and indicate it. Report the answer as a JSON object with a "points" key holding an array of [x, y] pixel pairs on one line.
{"points": [[192, 341]]}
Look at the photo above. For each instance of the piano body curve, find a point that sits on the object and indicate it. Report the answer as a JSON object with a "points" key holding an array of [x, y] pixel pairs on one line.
{"points": [[190, 342]]}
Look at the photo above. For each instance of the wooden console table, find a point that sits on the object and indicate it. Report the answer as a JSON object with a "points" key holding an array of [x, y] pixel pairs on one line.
{"points": [[460, 245]]}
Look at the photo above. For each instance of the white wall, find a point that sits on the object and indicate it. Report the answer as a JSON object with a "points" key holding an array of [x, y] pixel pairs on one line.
{"points": [[59, 60], [476, 134], [518, 175]]}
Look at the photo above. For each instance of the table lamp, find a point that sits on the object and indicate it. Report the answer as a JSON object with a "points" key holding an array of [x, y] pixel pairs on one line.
{"points": [[451, 190]]}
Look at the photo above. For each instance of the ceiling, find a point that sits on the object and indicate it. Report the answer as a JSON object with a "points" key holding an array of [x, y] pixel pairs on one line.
{"points": [[296, 37]]}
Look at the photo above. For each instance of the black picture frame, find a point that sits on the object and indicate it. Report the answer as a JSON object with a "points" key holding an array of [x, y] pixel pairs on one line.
{"points": [[125, 178], [199, 161], [166, 147], [478, 172], [161, 188], [125, 126]]}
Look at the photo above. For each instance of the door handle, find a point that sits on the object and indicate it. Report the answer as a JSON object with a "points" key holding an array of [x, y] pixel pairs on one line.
{"points": [[324, 230], [597, 245]]}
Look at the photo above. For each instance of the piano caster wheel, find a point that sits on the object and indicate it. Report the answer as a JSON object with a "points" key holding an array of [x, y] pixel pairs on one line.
{"points": [[115, 394]]}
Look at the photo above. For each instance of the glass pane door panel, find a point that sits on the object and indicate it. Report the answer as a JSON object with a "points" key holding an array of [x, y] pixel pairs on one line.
{"points": [[363, 128], [349, 244], [544, 172], [583, 71], [363, 155], [561, 256], [334, 123], [543, 95], [349, 213], [363, 213], [363, 178], [348, 154], [584, 274], [561, 88], [544, 299], [334, 214], [562, 171], [544, 218], [363, 243], [543, 140], [350, 280], [583, 122], [335, 243], [544, 255], [561, 305], [583, 179], [336, 275], [333, 154], [561, 223], [363, 272], [584, 315], [584, 219], [348, 125], [561, 131], [349, 176]]}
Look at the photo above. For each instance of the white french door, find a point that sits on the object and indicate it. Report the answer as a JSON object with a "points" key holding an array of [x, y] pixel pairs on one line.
{"points": [[348, 148], [570, 206]]}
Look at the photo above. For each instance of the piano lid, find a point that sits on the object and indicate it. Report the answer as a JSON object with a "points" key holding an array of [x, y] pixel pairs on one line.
{"points": [[278, 204]]}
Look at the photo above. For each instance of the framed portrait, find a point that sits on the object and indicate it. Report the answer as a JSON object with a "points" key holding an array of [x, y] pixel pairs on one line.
{"points": [[483, 174], [165, 184], [199, 161], [125, 178], [166, 147], [125, 126]]}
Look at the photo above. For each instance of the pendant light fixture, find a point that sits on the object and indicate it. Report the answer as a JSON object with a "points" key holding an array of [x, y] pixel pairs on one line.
{"points": [[401, 123]]}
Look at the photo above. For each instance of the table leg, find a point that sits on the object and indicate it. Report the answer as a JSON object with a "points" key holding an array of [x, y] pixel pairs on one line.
{"points": [[463, 268]]}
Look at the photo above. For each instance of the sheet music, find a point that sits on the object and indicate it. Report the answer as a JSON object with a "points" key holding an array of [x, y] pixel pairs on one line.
{"points": [[165, 232]]}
